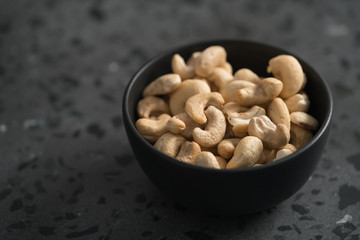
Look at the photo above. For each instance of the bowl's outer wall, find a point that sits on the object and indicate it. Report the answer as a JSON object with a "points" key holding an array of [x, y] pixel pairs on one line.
{"points": [[227, 192]]}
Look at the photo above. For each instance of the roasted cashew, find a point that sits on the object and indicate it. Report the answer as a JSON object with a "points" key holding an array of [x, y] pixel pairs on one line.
{"points": [[288, 69], [185, 70], [232, 107], [240, 121], [227, 66], [220, 77], [246, 153], [226, 147], [186, 89], [299, 135], [207, 159], [188, 152], [247, 75], [169, 144], [298, 103], [182, 124], [152, 106], [209, 59], [152, 129], [214, 129], [230, 90], [278, 112], [273, 136], [164, 84], [266, 90], [285, 151], [268, 155], [304, 120], [196, 104]]}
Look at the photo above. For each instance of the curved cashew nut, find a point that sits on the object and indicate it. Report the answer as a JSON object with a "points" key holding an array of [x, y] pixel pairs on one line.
{"points": [[246, 153], [230, 90], [185, 70], [164, 84], [221, 161], [188, 152], [273, 136], [196, 104], [247, 75], [227, 66], [169, 144], [278, 112], [299, 136], [182, 124], [288, 69], [240, 121], [227, 147], [186, 89], [220, 77], [266, 90], [214, 130], [304, 120], [268, 155], [151, 105], [298, 103], [152, 129], [209, 59], [207, 159], [232, 107]]}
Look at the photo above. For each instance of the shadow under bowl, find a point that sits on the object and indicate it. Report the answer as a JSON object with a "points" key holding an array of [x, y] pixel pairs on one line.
{"points": [[237, 191]]}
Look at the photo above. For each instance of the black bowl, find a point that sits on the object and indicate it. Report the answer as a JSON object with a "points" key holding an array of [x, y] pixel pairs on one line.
{"points": [[238, 191]]}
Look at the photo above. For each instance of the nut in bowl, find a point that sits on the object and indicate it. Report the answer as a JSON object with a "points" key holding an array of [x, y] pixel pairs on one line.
{"points": [[266, 124]]}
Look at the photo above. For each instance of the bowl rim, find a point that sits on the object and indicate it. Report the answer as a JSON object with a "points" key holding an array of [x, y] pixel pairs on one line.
{"points": [[319, 133]]}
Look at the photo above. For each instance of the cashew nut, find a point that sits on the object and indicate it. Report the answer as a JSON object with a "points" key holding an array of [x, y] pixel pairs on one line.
{"points": [[182, 124], [289, 71], [266, 90], [185, 70], [230, 90], [165, 84], [196, 104], [209, 59], [214, 130], [304, 120], [298, 103], [268, 155], [246, 153], [299, 135], [278, 112], [273, 136], [169, 144], [152, 106], [188, 152], [226, 147], [207, 159], [240, 121], [232, 107], [186, 89], [220, 77], [227, 66], [285, 151], [247, 75], [152, 129], [221, 161]]}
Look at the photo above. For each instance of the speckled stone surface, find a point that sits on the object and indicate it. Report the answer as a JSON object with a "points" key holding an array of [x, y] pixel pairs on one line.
{"points": [[66, 169]]}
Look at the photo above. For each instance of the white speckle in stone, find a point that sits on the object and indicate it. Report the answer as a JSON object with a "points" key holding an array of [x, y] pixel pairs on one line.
{"points": [[3, 128], [33, 123], [113, 67], [337, 30], [345, 219]]}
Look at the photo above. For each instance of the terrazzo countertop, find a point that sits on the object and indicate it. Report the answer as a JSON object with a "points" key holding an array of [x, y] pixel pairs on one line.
{"points": [[66, 168]]}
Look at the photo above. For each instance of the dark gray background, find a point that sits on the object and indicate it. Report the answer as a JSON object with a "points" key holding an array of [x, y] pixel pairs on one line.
{"points": [[66, 169]]}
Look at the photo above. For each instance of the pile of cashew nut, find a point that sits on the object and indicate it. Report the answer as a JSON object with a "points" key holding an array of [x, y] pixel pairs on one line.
{"points": [[203, 114]]}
